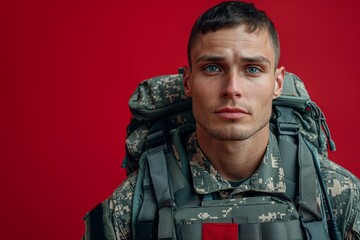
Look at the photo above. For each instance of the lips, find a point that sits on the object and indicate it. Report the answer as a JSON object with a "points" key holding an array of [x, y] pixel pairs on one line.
{"points": [[231, 113]]}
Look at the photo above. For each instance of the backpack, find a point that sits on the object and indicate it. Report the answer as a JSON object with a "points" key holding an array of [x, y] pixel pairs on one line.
{"points": [[163, 195], [160, 103]]}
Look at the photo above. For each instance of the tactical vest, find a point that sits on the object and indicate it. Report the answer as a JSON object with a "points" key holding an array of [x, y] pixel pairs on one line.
{"points": [[168, 208]]}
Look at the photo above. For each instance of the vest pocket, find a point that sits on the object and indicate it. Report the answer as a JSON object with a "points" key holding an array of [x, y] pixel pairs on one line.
{"points": [[258, 218], [290, 230]]}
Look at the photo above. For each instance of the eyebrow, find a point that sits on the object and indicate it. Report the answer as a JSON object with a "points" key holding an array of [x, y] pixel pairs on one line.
{"points": [[214, 58], [256, 59], [209, 58]]}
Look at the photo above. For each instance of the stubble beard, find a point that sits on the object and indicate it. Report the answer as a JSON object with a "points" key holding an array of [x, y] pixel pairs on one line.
{"points": [[233, 131]]}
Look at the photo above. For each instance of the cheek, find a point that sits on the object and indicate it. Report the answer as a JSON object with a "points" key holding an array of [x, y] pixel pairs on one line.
{"points": [[205, 91], [199, 99], [204, 99], [262, 96]]}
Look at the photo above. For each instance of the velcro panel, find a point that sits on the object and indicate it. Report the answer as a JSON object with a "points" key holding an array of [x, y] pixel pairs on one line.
{"points": [[216, 231]]}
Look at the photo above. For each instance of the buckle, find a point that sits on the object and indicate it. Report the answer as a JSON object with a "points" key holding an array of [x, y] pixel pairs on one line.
{"points": [[290, 129]]}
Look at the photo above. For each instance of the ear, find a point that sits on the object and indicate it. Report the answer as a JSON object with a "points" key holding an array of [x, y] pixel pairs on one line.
{"points": [[279, 81], [186, 81]]}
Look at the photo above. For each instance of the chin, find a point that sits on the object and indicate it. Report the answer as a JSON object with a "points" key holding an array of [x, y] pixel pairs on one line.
{"points": [[230, 135]]}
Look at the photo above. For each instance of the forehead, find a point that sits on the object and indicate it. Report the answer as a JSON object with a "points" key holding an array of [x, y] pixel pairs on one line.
{"points": [[236, 41]]}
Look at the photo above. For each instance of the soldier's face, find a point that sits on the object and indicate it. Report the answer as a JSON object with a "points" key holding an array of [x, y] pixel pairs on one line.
{"points": [[232, 83]]}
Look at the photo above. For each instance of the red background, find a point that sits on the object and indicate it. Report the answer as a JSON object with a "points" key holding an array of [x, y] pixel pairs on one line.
{"points": [[67, 69]]}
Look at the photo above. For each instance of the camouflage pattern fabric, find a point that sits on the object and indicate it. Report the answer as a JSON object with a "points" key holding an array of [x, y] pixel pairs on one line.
{"points": [[158, 100], [158, 92], [268, 178], [342, 187]]}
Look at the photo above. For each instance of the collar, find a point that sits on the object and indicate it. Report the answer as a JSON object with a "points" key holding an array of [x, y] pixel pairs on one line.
{"points": [[269, 177]]}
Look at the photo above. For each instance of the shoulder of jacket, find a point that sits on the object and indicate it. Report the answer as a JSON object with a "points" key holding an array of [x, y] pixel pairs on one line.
{"points": [[343, 188], [341, 184], [120, 206], [127, 187], [332, 170]]}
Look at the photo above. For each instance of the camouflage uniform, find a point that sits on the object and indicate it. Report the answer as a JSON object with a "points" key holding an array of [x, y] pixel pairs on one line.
{"points": [[342, 187]]}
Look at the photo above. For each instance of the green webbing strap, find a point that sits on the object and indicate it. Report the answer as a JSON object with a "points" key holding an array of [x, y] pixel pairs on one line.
{"points": [[310, 214], [293, 149], [307, 200], [138, 197], [289, 136], [183, 193], [288, 152], [288, 129], [160, 180], [146, 219], [183, 130]]}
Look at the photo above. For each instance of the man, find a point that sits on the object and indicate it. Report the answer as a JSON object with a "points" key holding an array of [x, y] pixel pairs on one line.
{"points": [[233, 78]]}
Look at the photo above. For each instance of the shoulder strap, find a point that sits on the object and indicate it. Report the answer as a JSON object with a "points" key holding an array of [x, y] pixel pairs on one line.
{"points": [[145, 216], [162, 186], [157, 198], [287, 129], [165, 202], [299, 168], [172, 188]]}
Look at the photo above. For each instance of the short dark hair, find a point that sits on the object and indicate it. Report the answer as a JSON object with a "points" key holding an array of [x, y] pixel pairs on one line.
{"points": [[230, 15]]}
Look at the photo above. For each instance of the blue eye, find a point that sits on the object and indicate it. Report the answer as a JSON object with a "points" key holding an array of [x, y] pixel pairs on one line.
{"points": [[253, 70], [212, 68]]}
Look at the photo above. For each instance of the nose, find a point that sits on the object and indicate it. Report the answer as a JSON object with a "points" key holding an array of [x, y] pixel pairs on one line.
{"points": [[232, 86]]}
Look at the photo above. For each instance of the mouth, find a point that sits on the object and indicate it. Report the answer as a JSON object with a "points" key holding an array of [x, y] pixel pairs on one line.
{"points": [[231, 113]]}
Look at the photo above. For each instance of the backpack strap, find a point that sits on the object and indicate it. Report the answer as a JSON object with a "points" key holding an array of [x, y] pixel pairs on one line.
{"points": [[146, 216], [157, 198], [181, 178], [159, 176], [164, 185], [183, 192], [288, 129], [176, 191], [314, 223], [148, 188], [299, 168]]}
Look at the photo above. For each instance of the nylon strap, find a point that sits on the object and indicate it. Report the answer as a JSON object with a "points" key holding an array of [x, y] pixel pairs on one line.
{"points": [[184, 130], [293, 149], [308, 207], [288, 129], [137, 200], [160, 180], [288, 152], [148, 209], [183, 193]]}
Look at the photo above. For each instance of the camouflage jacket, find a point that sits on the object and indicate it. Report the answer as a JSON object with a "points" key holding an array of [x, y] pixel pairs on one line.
{"points": [[342, 186]]}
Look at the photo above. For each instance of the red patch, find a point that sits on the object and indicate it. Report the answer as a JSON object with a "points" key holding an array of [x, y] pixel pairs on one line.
{"points": [[224, 231]]}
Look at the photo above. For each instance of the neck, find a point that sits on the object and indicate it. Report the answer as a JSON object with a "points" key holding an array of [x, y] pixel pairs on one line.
{"points": [[235, 160]]}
